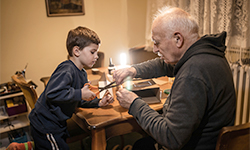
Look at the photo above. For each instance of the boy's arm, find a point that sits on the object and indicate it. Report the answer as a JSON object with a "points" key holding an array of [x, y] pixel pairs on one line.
{"points": [[59, 89], [90, 104]]}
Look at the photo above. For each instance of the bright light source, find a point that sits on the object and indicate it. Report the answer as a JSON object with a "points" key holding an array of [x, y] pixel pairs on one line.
{"points": [[123, 59]]}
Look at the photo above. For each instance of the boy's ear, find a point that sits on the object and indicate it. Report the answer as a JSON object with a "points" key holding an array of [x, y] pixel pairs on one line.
{"points": [[76, 51]]}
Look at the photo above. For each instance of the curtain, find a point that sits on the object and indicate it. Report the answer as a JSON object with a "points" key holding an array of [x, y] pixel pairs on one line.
{"points": [[214, 16]]}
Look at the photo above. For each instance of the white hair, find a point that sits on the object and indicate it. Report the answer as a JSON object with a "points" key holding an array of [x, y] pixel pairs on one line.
{"points": [[175, 19]]}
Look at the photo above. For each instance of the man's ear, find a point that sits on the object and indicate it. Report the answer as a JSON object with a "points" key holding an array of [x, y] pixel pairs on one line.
{"points": [[179, 40], [76, 51]]}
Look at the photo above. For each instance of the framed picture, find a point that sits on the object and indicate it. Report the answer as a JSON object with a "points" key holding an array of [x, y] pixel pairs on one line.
{"points": [[64, 7]]}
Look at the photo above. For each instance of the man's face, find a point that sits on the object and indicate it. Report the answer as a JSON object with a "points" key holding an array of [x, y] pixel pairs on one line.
{"points": [[164, 46]]}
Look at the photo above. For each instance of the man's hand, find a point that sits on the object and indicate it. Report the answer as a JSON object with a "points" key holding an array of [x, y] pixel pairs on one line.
{"points": [[120, 74], [125, 97]]}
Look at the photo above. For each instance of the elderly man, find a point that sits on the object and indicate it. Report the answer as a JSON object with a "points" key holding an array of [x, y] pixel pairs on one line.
{"points": [[202, 98]]}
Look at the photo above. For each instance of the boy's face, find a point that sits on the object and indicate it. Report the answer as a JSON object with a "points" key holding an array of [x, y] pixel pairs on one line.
{"points": [[88, 55]]}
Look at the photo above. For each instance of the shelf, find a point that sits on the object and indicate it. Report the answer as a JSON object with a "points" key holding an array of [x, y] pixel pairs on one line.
{"points": [[18, 122], [6, 116], [11, 95]]}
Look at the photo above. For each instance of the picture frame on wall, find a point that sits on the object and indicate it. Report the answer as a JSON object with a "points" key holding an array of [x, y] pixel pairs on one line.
{"points": [[64, 7]]}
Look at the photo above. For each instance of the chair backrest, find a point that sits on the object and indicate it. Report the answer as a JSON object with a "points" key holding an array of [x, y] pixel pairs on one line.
{"points": [[27, 89], [45, 80], [234, 137], [139, 54]]}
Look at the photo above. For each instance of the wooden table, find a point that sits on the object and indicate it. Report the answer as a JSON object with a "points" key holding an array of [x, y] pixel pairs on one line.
{"points": [[112, 120]]}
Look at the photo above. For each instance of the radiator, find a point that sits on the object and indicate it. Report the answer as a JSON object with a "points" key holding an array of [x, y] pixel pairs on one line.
{"points": [[241, 75]]}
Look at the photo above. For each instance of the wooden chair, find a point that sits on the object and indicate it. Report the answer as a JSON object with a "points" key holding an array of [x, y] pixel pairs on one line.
{"points": [[234, 138], [27, 88], [45, 80], [139, 54], [77, 134]]}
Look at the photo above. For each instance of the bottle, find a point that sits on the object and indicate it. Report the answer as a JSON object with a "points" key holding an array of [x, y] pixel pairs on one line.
{"points": [[111, 66]]}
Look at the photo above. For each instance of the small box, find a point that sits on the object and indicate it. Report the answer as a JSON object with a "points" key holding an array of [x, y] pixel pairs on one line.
{"points": [[19, 136], [147, 89], [21, 139], [149, 95], [15, 105]]}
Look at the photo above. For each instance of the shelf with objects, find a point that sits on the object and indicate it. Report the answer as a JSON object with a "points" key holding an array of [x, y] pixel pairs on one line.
{"points": [[16, 102], [13, 108]]}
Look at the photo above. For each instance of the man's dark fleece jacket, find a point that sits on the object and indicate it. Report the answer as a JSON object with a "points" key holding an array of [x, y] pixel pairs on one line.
{"points": [[60, 98], [202, 98]]}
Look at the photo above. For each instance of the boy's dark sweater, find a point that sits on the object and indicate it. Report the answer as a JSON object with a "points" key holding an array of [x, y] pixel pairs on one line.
{"points": [[60, 98]]}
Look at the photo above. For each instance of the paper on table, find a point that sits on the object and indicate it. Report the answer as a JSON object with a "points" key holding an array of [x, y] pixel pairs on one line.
{"points": [[103, 84], [160, 82], [110, 77]]}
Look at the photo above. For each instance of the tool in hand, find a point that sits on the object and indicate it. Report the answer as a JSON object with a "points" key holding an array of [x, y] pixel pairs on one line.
{"points": [[110, 85]]}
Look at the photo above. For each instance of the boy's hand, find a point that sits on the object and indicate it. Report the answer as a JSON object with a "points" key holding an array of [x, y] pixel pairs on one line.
{"points": [[87, 94], [106, 100]]}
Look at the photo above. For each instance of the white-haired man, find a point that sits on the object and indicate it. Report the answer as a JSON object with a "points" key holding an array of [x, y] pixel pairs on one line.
{"points": [[202, 98]]}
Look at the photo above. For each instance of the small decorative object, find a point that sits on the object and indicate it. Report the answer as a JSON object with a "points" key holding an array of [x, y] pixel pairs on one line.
{"points": [[64, 7], [2, 110]]}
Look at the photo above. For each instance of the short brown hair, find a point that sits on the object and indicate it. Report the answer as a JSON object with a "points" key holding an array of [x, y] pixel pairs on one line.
{"points": [[81, 37]]}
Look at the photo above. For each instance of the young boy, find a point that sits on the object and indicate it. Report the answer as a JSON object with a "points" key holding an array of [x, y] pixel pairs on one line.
{"points": [[66, 91]]}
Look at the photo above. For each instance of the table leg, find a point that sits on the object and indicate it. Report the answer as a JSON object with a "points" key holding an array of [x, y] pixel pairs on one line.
{"points": [[98, 139]]}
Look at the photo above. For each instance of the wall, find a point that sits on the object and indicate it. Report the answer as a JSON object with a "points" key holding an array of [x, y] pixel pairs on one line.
{"points": [[29, 36]]}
